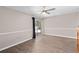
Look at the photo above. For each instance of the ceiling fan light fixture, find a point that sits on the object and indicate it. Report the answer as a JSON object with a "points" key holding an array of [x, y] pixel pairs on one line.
{"points": [[44, 13]]}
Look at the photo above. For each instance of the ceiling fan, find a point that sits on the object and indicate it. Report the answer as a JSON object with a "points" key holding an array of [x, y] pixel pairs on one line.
{"points": [[46, 11]]}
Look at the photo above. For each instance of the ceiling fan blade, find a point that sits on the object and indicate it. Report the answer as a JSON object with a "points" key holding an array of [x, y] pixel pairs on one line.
{"points": [[43, 8], [50, 9], [47, 12]]}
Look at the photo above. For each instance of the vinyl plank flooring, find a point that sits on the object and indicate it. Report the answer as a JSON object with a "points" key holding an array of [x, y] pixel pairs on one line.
{"points": [[45, 44]]}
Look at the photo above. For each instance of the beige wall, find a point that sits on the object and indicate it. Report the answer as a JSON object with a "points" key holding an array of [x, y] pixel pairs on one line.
{"points": [[63, 25], [15, 27]]}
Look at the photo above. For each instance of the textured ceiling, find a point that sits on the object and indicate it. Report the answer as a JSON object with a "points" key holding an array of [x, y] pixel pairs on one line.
{"points": [[36, 10]]}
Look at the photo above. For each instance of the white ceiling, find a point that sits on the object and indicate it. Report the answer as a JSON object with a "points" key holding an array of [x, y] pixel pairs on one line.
{"points": [[36, 10]]}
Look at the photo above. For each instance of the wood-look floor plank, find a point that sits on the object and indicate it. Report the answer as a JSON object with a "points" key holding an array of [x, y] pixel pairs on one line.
{"points": [[45, 44]]}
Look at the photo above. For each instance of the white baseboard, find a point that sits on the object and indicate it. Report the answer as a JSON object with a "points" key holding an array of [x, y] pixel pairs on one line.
{"points": [[61, 36], [18, 42], [15, 44]]}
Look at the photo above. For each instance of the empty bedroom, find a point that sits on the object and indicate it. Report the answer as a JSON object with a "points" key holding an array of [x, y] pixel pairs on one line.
{"points": [[39, 29]]}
